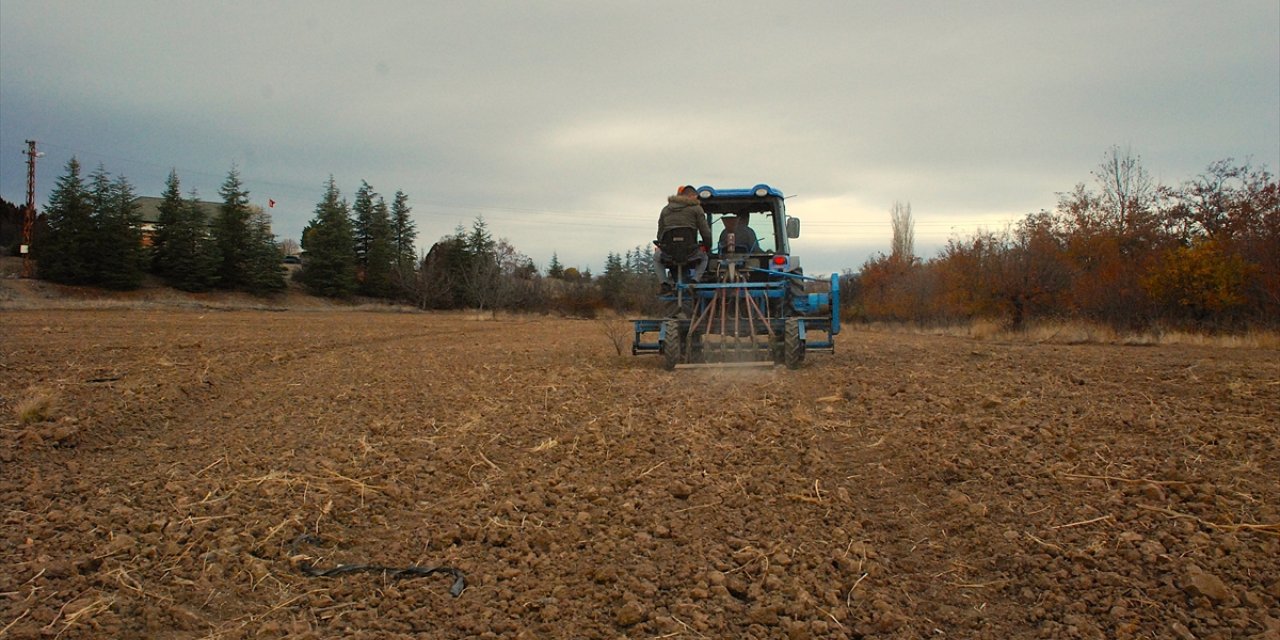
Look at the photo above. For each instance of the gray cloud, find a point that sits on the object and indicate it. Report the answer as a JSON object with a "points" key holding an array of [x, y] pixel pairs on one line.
{"points": [[565, 124]]}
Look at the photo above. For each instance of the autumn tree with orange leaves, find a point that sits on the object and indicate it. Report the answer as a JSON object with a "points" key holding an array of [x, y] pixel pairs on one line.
{"points": [[1125, 251]]}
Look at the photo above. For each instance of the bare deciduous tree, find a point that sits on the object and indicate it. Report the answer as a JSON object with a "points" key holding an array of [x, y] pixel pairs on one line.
{"points": [[1128, 192], [904, 232]]}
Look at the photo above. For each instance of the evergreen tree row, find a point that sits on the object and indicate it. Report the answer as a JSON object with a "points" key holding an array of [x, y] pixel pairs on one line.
{"points": [[365, 248], [93, 236], [629, 281]]}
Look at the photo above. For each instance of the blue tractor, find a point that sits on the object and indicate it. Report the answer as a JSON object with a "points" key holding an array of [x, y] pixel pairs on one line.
{"points": [[745, 300]]}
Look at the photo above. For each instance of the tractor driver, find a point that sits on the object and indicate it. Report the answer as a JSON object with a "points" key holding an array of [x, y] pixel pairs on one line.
{"points": [[682, 210], [744, 237]]}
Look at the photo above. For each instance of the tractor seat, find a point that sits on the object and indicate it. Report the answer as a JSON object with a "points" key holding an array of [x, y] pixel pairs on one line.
{"points": [[679, 245]]}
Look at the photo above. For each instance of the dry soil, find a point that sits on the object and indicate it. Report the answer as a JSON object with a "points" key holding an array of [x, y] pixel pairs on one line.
{"points": [[159, 467]]}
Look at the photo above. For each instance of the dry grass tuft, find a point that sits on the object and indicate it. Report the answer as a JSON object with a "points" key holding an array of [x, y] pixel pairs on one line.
{"points": [[982, 329], [37, 406], [549, 443], [1065, 333], [1250, 340], [1140, 340]]}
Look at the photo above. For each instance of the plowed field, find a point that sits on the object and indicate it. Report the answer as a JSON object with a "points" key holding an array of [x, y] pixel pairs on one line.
{"points": [[905, 487]]}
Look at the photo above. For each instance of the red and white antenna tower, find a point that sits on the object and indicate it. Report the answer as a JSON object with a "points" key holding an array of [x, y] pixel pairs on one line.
{"points": [[29, 215]]}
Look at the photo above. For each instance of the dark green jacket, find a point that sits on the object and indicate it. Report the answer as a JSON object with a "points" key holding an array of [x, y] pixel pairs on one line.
{"points": [[684, 211]]}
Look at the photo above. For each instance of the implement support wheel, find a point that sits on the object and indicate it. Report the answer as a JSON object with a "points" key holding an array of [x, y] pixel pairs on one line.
{"points": [[792, 345], [672, 344]]}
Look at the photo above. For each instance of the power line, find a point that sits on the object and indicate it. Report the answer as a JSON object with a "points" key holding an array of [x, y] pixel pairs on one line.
{"points": [[184, 171], [575, 218]]}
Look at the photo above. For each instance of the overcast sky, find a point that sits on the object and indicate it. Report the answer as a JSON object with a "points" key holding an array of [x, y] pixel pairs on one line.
{"points": [[566, 124]]}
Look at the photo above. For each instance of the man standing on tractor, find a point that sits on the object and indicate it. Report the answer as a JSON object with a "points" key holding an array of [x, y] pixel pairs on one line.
{"points": [[683, 210]]}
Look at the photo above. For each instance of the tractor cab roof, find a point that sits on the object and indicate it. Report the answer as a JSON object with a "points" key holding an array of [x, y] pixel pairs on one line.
{"points": [[761, 198], [706, 192], [767, 203]]}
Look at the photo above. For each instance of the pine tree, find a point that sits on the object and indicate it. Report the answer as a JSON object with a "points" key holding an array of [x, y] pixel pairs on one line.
{"points": [[555, 269], [404, 234], [479, 241], [182, 251], [482, 273], [171, 208], [329, 268], [644, 260], [458, 262], [64, 253], [613, 280], [191, 259], [264, 272], [119, 254], [231, 230], [362, 215], [380, 252], [99, 183]]}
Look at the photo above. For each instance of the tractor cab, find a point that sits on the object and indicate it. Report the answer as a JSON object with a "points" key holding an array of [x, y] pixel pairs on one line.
{"points": [[749, 228]]}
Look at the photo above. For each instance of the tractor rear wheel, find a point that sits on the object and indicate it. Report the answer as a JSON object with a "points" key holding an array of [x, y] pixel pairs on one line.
{"points": [[792, 345], [795, 291], [672, 344]]}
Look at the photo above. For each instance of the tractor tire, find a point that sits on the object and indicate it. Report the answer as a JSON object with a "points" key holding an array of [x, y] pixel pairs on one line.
{"points": [[795, 291], [672, 345], [792, 345]]}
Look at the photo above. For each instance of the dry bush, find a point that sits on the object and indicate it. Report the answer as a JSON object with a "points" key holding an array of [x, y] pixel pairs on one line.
{"points": [[617, 329], [36, 406]]}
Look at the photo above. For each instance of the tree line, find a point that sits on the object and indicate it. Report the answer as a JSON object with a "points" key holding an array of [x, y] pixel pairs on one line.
{"points": [[366, 248], [1124, 251], [91, 233], [469, 269]]}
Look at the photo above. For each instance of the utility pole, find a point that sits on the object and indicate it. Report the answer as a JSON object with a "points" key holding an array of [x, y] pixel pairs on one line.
{"points": [[29, 216]]}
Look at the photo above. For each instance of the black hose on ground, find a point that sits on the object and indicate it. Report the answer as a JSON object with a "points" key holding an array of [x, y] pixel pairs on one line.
{"points": [[459, 579]]}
